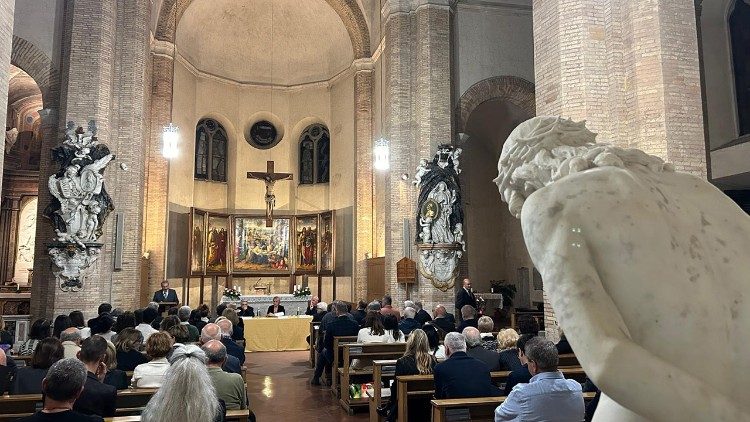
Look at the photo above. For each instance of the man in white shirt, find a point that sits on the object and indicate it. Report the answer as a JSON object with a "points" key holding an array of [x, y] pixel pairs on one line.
{"points": [[149, 314], [548, 397], [71, 341]]}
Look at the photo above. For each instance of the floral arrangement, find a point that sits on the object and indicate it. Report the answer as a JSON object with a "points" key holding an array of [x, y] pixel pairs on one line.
{"points": [[232, 293], [300, 291]]}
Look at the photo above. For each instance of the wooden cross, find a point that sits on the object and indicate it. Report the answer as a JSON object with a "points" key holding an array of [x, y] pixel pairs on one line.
{"points": [[270, 178]]}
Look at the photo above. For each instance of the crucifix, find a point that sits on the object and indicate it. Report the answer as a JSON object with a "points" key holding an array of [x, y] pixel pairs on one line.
{"points": [[270, 178]]}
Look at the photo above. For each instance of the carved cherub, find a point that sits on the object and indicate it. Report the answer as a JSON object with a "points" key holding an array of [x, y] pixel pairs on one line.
{"points": [[422, 169], [454, 156]]}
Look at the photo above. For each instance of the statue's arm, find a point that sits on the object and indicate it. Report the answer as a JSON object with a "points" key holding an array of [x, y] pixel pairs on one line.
{"points": [[631, 375]]}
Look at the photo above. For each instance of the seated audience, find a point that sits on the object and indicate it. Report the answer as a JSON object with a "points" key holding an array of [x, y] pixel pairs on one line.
{"points": [[102, 325], [40, 330], [361, 313], [238, 326], [343, 325], [506, 343], [126, 320], [322, 311], [6, 373], [195, 320], [229, 387], [441, 320], [212, 332], [138, 314], [485, 325], [522, 374], [548, 396], [527, 324], [312, 306], [386, 308], [128, 346], [168, 321], [115, 377], [373, 306], [390, 322], [76, 320], [5, 336], [433, 338], [151, 374], [62, 322], [373, 330], [245, 309], [187, 394], [417, 360], [461, 375], [180, 335], [28, 379], [422, 316], [149, 315], [468, 318], [408, 323], [71, 341], [474, 349], [233, 348], [97, 398], [563, 347], [157, 320], [61, 388]]}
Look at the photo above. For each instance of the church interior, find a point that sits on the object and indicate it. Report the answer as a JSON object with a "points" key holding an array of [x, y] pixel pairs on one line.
{"points": [[251, 160]]}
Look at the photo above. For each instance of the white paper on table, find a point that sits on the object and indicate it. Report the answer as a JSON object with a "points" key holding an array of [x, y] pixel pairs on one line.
{"points": [[279, 314]]}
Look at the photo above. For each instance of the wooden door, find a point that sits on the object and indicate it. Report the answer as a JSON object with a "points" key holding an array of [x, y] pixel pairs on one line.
{"points": [[375, 278]]}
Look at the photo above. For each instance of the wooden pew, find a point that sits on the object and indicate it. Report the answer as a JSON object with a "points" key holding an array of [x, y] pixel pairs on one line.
{"points": [[371, 351], [568, 360], [411, 386], [338, 345], [381, 370], [128, 401], [473, 409], [314, 327], [232, 415], [22, 360]]}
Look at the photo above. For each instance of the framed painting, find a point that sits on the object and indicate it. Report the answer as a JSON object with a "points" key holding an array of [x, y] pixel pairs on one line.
{"points": [[306, 244], [257, 249], [197, 257], [216, 240], [327, 254]]}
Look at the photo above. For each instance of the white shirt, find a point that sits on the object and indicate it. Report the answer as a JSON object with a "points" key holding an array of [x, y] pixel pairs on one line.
{"points": [[85, 333], [71, 349], [440, 352], [146, 330], [365, 336], [108, 335], [151, 374]]}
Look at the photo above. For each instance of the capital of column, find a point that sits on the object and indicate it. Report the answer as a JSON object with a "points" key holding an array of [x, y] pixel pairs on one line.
{"points": [[391, 7], [363, 65], [163, 48], [48, 116]]}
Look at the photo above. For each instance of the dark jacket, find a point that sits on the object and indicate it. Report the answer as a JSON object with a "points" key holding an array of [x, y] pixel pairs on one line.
{"points": [[319, 316], [563, 347], [234, 349], [490, 358], [5, 337], [97, 398], [344, 325], [407, 365], [127, 361], [249, 312], [116, 378], [444, 324], [232, 365], [28, 380], [171, 296], [465, 298], [422, 316], [238, 332], [463, 376], [66, 416], [407, 325], [359, 315], [518, 376], [311, 311], [5, 375], [281, 309], [509, 360], [467, 323]]}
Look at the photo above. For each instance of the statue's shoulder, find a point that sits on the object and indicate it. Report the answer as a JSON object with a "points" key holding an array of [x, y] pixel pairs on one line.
{"points": [[589, 188]]}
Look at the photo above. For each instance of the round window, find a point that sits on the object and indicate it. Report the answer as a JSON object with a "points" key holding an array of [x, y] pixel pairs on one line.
{"points": [[263, 135]]}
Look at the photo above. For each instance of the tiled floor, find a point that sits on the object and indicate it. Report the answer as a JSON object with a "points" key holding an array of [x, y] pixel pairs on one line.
{"points": [[279, 390]]}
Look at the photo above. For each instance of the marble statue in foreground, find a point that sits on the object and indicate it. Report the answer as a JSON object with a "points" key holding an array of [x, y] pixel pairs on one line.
{"points": [[646, 269]]}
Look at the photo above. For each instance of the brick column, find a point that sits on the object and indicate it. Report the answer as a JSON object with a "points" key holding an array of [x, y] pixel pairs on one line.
{"points": [[9, 210], [363, 220], [6, 46]]}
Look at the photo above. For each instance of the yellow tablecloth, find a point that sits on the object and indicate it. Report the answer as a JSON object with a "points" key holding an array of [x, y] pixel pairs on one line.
{"points": [[277, 334]]}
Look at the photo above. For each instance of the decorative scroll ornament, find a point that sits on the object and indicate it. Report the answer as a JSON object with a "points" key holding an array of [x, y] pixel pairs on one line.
{"points": [[440, 217], [80, 204]]}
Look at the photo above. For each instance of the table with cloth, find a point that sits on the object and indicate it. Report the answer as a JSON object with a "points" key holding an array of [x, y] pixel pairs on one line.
{"points": [[268, 334]]}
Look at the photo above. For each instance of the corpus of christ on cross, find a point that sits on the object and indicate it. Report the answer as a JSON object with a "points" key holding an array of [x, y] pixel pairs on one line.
{"points": [[270, 178]]}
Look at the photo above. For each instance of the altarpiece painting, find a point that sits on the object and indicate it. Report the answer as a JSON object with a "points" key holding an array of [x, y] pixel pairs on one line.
{"points": [[259, 249], [217, 236], [306, 244], [327, 243], [197, 237]]}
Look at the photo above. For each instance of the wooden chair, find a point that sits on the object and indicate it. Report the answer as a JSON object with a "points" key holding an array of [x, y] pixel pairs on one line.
{"points": [[347, 374]]}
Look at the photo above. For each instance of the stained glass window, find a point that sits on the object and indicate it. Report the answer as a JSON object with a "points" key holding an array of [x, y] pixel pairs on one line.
{"points": [[315, 155], [306, 152], [210, 151]]}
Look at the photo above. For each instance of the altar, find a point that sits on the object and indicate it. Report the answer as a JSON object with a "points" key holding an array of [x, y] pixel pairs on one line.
{"points": [[261, 303], [276, 334]]}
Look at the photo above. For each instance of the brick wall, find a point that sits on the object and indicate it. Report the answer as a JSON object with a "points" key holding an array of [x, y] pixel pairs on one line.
{"points": [[6, 40]]}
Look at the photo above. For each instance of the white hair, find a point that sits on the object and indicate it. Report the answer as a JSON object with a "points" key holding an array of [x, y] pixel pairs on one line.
{"points": [[545, 149], [409, 313], [455, 342], [322, 306], [408, 304], [472, 336], [187, 392]]}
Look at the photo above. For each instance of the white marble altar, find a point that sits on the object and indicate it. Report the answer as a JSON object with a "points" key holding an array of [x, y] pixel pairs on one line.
{"points": [[646, 269], [261, 302]]}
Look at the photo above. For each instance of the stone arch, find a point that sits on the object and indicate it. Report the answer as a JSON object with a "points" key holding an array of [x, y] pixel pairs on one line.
{"points": [[348, 10], [515, 90], [32, 60]]}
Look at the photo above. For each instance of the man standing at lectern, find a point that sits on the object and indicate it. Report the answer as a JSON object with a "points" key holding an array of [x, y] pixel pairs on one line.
{"points": [[165, 294], [465, 296]]}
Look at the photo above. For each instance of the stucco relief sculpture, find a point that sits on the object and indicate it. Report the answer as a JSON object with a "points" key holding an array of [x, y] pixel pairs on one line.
{"points": [[440, 218], [644, 267], [80, 204]]}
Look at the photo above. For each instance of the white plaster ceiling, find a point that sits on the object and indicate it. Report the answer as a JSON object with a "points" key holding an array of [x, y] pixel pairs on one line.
{"points": [[284, 42], [24, 97]]}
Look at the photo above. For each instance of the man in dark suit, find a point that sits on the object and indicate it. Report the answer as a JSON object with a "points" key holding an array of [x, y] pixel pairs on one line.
{"points": [[474, 349], [312, 306], [245, 310], [212, 331], [343, 325], [233, 348], [422, 316], [468, 318], [461, 375], [97, 398], [442, 321], [408, 323], [165, 294], [520, 375], [465, 296], [360, 314]]}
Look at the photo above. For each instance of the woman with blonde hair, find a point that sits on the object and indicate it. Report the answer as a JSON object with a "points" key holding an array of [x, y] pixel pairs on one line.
{"points": [[506, 344], [187, 392], [417, 360]]}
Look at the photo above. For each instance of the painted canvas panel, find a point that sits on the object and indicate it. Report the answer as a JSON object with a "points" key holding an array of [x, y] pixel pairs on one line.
{"points": [[306, 244], [197, 239], [259, 249], [327, 243], [217, 236]]}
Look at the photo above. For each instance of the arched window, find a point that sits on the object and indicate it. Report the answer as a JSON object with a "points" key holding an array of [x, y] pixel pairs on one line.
{"points": [[739, 28], [210, 151], [314, 155]]}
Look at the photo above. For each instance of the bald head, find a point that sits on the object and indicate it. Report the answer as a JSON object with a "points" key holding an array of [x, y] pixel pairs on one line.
{"points": [[472, 336], [216, 353], [71, 334], [439, 311], [226, 327], [210, 332]]}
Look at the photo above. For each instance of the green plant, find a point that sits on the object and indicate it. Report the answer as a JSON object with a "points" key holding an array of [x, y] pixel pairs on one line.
{"points": [[507, 290]]}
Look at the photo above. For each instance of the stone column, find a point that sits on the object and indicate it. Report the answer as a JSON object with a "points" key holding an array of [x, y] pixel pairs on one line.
{"points": [[364, 209], [6, 45], [9, 236]]}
